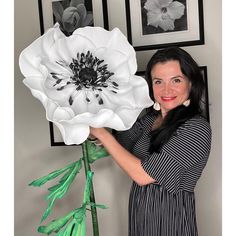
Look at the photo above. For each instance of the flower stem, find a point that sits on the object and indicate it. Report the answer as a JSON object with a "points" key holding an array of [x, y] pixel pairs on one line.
{"points": [[92, 197]]}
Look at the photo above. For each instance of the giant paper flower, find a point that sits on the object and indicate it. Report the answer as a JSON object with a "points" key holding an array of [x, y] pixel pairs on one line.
{"points": [[86, 79], [163, 13]]}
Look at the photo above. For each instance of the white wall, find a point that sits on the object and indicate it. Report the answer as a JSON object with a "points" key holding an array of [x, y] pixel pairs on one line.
{"points": [[34, 157]]}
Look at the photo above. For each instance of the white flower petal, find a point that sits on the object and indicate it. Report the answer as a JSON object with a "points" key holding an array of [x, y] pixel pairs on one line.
{"points": [[103, 118], [119, 42], [175, 10], [153, 5], [125, 114], [34, 82], [117, 63], [140, 92], [124, 98], [163, 3], [61, 97], [31, 57], [38, 94], [63, 113], [154, 18], [80, 104], [73, 133], [167, 24], [113, 40]]}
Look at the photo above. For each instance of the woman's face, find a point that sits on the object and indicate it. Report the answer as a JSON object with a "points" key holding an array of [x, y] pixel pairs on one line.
{"points": [[171, 87]]}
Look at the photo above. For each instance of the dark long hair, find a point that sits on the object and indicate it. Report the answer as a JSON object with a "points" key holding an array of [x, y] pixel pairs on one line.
{"points": [[180, 114]]}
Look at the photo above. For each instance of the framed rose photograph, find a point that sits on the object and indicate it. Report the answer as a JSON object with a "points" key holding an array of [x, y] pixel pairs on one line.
{"points": [[205, 98], [153, 24], [72, 14]]}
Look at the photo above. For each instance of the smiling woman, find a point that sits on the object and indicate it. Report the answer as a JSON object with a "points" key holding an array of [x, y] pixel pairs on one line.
{"points": [[171, 87], [165, 152]]}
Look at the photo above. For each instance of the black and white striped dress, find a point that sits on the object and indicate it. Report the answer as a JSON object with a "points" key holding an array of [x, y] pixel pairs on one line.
{"points": [[167, 207]]}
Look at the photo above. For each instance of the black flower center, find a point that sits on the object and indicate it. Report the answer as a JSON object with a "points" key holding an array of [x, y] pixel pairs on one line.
{"points": [[163, 9], [88, 73], [87, 77]]}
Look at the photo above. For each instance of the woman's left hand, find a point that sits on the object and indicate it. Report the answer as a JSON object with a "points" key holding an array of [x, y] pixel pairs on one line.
{"points": [[98, 133]]}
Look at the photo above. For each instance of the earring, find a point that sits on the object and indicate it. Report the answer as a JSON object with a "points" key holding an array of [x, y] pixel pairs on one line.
{"points": [[156, 106], [186, 103]]}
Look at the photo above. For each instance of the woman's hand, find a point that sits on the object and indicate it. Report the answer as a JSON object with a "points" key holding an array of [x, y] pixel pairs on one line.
{"points": [[127, 161], [98, 133]]}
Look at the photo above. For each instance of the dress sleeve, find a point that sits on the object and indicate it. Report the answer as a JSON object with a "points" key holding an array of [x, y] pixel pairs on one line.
{"points": [[186, 149], [129, 137]]}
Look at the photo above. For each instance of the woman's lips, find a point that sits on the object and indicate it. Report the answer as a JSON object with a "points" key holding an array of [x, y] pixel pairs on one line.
{"points": [[167, 99]]}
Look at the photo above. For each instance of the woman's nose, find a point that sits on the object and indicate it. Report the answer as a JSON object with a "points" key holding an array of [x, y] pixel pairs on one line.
{"points": [[167, 89]]}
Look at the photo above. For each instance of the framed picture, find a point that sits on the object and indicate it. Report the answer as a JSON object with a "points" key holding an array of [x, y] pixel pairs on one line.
{"points": [[205, 100], [153, 24], [69, 13], [62, 11]]}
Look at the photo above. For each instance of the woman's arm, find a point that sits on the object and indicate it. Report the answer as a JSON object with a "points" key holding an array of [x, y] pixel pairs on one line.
{"points": [[126, 160]]}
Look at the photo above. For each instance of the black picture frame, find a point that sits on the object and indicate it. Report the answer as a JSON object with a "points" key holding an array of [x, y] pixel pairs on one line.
{"points": [[46, 21], [205, 97], [46, 14], [188, 32], [55, 136]]}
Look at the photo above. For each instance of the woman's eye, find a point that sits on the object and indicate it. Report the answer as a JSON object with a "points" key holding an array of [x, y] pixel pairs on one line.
{"points": [[156, 81], [176, 80]]}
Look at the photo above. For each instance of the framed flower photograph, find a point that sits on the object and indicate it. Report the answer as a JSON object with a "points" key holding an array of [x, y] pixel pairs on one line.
{"points": [[153, 24], [205, 99], [72, 14]]}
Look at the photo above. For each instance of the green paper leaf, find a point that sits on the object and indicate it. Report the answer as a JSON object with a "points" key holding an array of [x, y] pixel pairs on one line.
{"points": [[87, 190], [80, 217], [49, 209], [59, 190], [81, 230], [98, 205], [95, 152], [69, 229], [56, 225], [50, 176]]}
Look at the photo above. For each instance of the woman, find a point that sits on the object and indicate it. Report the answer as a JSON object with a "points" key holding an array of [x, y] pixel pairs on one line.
{"points": [[166, 151]]}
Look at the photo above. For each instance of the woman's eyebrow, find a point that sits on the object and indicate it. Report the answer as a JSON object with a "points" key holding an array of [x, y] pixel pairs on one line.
{"points": [[177, 76], [173, 77]]}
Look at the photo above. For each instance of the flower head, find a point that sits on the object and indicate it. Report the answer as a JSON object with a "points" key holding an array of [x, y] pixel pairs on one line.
{"points": [[86, 79], [71, 15], [163, 13]]}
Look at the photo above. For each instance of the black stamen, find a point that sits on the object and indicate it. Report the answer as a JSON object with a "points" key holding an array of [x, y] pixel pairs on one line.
{"points": [[71, 100], [100, 101]]}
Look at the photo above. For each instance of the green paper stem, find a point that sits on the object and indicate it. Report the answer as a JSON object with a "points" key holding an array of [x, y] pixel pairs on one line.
{"points": [[92, 197]]}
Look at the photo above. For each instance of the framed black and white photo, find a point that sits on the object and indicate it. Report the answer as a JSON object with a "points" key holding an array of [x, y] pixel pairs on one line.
{"points": [[205, 99], [72, 14], [153, 24]]}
